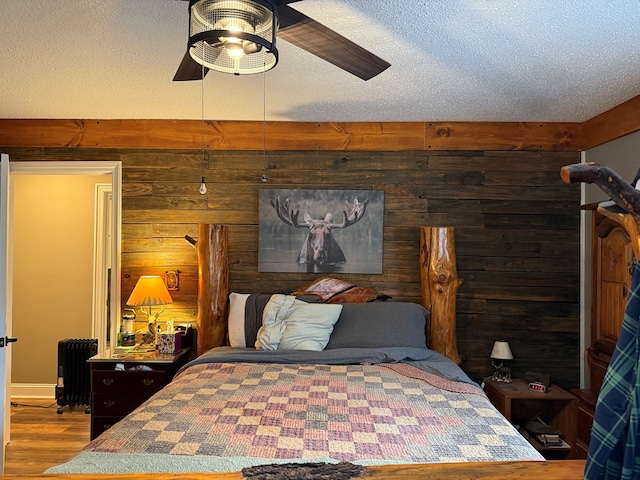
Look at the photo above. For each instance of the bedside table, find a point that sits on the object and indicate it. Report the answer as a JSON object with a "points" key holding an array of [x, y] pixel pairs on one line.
{"points": [[556, 407], [116, 393]]}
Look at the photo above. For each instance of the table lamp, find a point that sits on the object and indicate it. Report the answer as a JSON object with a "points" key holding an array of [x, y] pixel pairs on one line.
{"points": [[150, 291], [502, 352]]}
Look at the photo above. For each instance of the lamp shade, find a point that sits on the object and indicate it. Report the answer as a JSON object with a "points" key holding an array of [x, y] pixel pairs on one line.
{"points": [[149, 291], [233, 36], [501, 351]]}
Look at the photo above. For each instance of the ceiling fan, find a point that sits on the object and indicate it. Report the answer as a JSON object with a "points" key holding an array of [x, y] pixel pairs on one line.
{"points": [[239, 36]]}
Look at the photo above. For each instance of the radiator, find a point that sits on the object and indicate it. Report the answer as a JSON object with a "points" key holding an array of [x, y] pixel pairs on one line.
{"points": [[73, 387]]}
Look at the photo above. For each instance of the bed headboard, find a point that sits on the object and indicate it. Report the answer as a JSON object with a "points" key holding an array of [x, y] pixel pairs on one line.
{"points": [[438, 276]]}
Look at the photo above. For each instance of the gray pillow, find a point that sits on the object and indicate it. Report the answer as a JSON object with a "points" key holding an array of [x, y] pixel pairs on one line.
{"points": [[380, 324]]}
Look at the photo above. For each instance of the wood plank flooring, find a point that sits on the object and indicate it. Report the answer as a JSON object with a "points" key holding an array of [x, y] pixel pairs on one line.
{"points": [[41, 438]]}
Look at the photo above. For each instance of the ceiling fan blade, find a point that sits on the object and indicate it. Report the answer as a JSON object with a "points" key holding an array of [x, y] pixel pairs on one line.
{"points": [[189, 69], [315, 38]]}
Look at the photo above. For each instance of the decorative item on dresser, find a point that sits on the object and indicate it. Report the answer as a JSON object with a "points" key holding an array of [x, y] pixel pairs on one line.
{"points": [[501, 351], [150, 291]]}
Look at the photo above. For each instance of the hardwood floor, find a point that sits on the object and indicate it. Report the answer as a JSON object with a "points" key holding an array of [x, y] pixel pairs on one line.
{"points": [[41, 438]]}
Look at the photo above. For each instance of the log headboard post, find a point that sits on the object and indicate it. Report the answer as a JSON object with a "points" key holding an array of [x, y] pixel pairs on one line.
{"points": [[213, 286], [440, 285]]}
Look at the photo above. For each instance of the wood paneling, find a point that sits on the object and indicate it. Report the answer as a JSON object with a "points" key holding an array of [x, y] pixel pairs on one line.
{"points": [[291, 136], [617, 122], [516, 232]]}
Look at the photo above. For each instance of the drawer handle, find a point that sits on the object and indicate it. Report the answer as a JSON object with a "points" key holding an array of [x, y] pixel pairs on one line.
{"points": [[147, 381], [106, 426], [109, 403], [107, 381]]}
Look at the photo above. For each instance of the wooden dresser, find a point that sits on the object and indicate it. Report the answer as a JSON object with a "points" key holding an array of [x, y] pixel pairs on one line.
{"points": [[121, 383], [612, 259]]}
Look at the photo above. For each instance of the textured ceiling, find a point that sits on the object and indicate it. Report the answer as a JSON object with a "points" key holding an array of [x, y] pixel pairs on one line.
{"points": [[451, 60]]}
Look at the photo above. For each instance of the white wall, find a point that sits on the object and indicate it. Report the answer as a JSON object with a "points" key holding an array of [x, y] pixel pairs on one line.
{"points": [[623, 156], [53, 269]]}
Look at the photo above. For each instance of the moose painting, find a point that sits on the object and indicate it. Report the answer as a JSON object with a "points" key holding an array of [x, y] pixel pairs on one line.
{"points": [[336, 231]]}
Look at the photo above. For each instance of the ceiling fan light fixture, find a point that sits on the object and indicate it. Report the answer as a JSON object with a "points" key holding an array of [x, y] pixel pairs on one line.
{"points": [[233, 36]]}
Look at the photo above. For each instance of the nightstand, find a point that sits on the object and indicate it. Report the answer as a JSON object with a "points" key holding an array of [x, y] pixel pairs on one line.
{"points": [[556, 407], [116, 393]]}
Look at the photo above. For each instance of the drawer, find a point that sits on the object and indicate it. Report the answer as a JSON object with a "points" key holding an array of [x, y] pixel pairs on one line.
{"points": [[598, 370], [128, 381], [585, 420], [497, 401], [100, 424], [107, 404]]}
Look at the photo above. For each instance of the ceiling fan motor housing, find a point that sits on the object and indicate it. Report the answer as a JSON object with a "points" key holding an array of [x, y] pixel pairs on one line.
{"points": [[233, 36]]}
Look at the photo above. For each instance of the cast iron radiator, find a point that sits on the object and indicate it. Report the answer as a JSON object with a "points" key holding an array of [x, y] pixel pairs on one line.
{"points": [[73, 387]]}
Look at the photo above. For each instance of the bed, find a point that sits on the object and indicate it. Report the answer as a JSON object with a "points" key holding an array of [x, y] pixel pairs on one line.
{"points": [[305, 382], [358, 386]]}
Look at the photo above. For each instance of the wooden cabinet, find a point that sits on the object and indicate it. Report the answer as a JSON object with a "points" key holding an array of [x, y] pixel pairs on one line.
{"points": [[611, 266], [556, 407], [611, 280], [586, 409], [119, 384]]}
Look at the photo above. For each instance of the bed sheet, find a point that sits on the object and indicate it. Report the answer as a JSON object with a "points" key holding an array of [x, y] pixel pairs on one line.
{"points": [[225, 416]]}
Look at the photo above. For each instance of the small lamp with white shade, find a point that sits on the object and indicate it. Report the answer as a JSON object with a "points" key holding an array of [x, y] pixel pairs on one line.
{"points": [[501, 352]]}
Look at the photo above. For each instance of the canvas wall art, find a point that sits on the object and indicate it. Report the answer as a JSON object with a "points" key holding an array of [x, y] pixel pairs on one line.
{"points": [[320, 231]]}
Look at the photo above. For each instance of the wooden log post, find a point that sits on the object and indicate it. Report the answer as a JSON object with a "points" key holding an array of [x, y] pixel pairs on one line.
{"points": [[440, 285], [213, 286]]}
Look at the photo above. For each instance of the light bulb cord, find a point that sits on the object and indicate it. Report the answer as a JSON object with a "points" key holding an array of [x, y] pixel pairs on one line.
{"points": [[203, 186]]}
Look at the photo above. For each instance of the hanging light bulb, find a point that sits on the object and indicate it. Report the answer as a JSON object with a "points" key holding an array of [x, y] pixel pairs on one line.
{"points": [[203, 185]]}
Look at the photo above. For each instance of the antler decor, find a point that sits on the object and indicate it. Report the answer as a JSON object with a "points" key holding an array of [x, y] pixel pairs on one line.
{"points": [[623, 194], [354, 212], [287, 216], [319, 246]]}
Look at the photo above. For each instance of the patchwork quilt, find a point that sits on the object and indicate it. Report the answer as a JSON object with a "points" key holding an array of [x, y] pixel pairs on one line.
{"points": [[227, 416]]}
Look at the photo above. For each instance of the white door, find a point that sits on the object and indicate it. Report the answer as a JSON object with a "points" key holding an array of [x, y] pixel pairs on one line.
{"points": [[5, 303]]}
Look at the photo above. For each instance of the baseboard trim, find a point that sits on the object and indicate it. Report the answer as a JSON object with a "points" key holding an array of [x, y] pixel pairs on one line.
{"points": [[33, 390]]}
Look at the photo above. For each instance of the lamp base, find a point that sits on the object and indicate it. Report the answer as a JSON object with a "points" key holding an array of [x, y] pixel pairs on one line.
{"points": [[502, 373]]}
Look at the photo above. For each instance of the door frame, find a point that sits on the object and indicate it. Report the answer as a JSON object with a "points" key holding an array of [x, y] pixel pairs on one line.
{"points": [[83, 168], [102, 261]]}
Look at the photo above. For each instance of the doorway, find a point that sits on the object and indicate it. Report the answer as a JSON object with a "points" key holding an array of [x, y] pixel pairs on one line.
{"points": [[103, 289]]}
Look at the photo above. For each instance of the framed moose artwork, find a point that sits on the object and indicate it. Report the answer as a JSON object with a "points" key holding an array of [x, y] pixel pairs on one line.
{"points": [[320, 231]]}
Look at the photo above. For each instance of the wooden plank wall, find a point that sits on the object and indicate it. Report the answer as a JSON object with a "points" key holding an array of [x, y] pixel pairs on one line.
{"points": [[516, 227]]}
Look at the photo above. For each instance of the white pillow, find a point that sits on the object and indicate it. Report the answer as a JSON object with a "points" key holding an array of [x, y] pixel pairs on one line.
{"points": [[291, 324], [237, 302], [309, 326], [274, 318]]}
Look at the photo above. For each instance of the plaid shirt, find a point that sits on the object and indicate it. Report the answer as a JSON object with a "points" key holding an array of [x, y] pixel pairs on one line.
{"points": [[614, 451]]}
